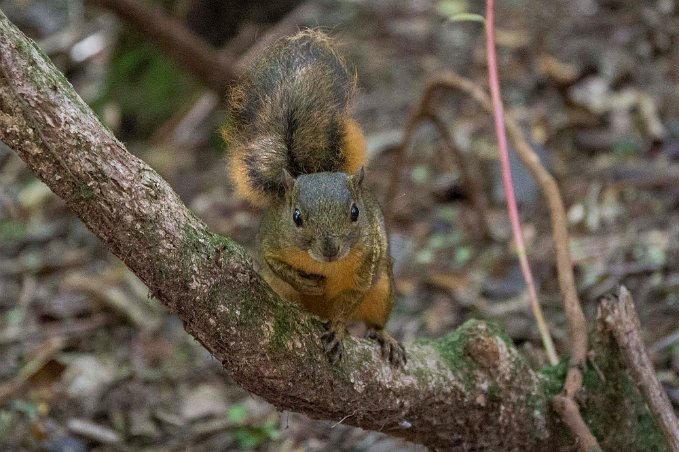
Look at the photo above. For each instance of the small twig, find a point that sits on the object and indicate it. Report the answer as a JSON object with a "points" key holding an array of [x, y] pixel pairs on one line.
{"points": [[499, 117], [422, 113], [475, 189], [342, 420], [42, 355], [131, 308], [188, 127], [67, 329], [550, 189], [95, 432], [21, 265], [576, 318], [570, 414], [617, 315], [595, 366], [564, 404]]}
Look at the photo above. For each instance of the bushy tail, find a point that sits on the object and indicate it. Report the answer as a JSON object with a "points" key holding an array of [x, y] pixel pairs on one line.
{"points": [[291, 111]]}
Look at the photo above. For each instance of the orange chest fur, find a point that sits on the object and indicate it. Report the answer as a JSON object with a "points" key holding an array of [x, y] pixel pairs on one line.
{"points": [[339, 275]]}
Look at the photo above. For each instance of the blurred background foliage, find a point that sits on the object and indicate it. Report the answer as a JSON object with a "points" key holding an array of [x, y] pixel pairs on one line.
{"points": [[144, 85]]}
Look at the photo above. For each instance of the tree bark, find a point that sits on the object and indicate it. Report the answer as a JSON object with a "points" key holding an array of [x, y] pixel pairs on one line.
{"points": [[470, 390]]}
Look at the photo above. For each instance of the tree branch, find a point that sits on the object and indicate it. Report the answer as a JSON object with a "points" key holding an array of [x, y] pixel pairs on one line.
{"points": [[617, 315], [210, 65], [216, 68]]}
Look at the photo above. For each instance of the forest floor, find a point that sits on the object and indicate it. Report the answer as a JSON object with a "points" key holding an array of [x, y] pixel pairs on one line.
{"points": [[89, 360]]}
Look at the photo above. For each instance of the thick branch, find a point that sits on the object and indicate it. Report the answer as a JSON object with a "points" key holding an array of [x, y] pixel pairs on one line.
{"points": [[212, 67], [617, 315], [448, 395]]}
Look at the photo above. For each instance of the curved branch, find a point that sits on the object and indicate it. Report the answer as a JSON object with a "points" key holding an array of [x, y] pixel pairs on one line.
{"points": [[455, 392], [424, 112], [208, 64]]}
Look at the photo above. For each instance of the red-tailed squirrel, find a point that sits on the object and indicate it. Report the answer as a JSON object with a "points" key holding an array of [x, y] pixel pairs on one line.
{"points": [[294, 148]]}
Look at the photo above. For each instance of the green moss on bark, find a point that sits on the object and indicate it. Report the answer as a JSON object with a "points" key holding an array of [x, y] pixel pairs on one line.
{"points": [[614, 409], [451, 349], [85, 193], [52, 79], [553, 377], [284, 323]]}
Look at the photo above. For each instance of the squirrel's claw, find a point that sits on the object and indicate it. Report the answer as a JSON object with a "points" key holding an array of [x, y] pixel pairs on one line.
{"points": [[332, 343], [392, 350]]}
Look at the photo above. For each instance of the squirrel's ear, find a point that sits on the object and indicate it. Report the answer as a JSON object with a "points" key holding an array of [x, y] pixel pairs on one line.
{"points": [[357, 178], [288, 180]]}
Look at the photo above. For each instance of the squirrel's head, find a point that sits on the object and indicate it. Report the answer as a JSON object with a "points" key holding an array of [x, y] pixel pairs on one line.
{"points": [[324, 213]]}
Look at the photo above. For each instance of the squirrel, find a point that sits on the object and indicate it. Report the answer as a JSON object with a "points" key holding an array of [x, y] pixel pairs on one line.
{"points": [[294, 149]]}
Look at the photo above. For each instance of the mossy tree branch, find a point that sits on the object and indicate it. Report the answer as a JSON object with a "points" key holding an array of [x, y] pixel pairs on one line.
{"points": [[470, 390]]}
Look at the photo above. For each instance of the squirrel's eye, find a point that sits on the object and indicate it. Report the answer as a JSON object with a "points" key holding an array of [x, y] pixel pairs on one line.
{"points": [[297, 218], [354, 212]]}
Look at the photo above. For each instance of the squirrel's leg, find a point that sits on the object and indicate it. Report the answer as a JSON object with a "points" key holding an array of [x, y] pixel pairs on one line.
{"points": [[305, 283], [282, 288], [374, 311], [332, 341], [392, 349], [343, 307]]}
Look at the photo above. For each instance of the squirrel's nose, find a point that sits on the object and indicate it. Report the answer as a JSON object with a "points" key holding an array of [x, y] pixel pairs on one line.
{"points": [[330, 248]]}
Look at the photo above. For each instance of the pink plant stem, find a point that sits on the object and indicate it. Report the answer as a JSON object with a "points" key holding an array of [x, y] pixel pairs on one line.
{"points": [[498, 116]]}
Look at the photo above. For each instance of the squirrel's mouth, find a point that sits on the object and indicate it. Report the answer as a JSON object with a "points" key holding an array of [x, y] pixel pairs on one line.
{"points": [[341, 254]]}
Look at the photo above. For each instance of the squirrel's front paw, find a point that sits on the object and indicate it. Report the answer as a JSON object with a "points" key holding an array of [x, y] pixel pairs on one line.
{"points": [[311, 284], [312, 290], [392, 349], [332, 342]]}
